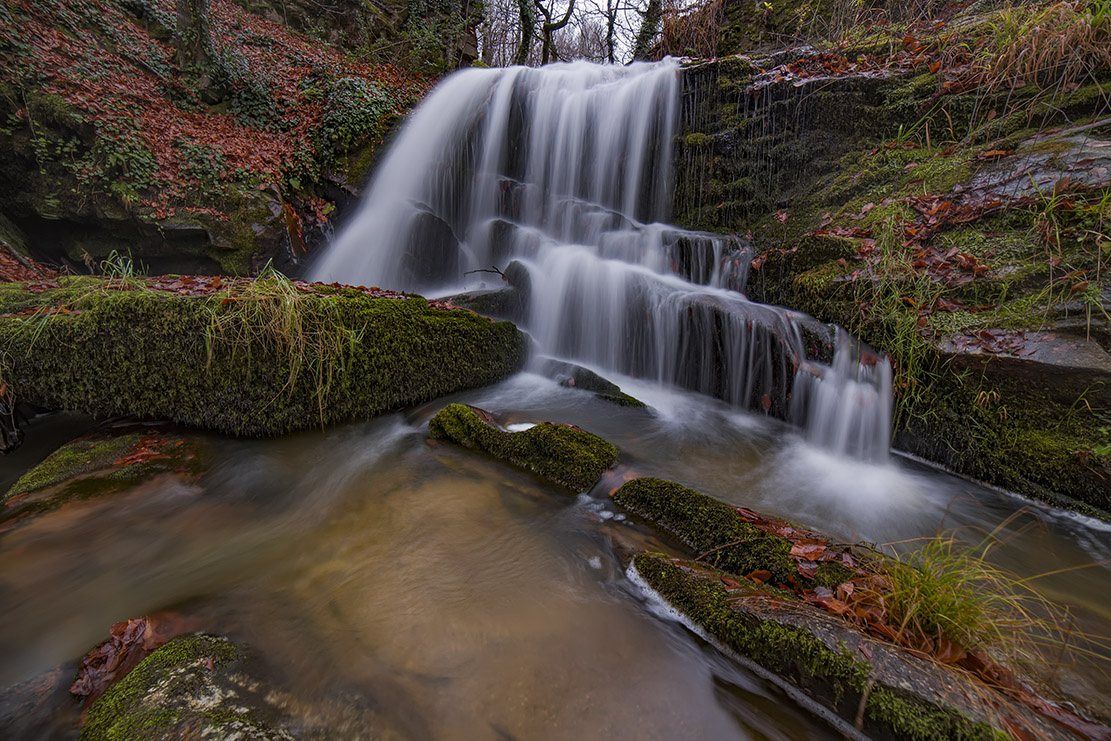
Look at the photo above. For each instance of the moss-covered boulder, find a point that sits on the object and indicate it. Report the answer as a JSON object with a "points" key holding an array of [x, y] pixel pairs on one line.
{"points": [[866, 684], [563, 454], [252, 358], [100, 464], [716, 532], [189, 688]]}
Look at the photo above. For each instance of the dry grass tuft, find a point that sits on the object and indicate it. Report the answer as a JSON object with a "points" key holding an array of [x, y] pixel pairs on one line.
{"points": [[692, 30]]}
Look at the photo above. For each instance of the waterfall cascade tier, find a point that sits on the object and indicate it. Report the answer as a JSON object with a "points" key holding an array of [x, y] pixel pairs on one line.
{"points": [[567, 170]]}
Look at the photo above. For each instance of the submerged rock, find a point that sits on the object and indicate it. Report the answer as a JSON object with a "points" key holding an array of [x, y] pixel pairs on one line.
{"points": [[101, 464], [190, 688], [575, 376], [253, 358], [563, 454]]}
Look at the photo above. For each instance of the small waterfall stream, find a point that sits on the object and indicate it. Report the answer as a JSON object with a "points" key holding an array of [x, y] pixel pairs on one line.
{"points": [[567, 170]]}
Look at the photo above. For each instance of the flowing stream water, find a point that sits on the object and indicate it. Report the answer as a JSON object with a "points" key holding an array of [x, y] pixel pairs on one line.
{"points": [[567, 170], [403, 588]]}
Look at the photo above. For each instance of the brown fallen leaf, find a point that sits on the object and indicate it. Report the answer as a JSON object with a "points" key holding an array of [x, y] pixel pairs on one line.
{"points": [[808, 550]]}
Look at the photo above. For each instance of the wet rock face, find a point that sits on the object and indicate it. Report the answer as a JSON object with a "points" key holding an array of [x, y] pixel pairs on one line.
{"points": [[976, 264], [563, 454], [432, 254], [747, 150]]}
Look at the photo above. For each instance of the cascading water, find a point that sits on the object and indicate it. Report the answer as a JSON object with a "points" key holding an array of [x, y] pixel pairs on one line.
{"points": [[567, 170]]}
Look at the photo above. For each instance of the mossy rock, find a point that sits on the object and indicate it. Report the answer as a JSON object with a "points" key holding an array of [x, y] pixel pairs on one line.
{"points": [[577, 377], [259, 359], [188, 688], [92, 466], [563, 454], [833, 665], [708, 527]]}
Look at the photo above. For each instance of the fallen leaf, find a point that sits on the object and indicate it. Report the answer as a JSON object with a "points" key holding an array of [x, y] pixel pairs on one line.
{"points": [[808, 550]]}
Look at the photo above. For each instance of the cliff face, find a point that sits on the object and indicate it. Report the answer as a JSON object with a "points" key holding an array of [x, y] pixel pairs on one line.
{"points": [[110, 142], [947, 201]]}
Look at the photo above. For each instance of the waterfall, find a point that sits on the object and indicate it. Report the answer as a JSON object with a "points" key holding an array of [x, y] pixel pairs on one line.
{"points": [[567, 170]]}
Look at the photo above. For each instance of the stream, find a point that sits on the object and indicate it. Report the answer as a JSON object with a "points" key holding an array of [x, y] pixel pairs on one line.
{"points": [[413, 589], [405, 588]]}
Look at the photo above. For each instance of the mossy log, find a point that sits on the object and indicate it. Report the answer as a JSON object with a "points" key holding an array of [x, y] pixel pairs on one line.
{"points": [[881, 690], [258, 360], [716, 533], [563, 454]]}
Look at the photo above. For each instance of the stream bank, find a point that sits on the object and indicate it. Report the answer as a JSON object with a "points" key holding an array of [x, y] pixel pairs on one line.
{"points": [[960, 228]]}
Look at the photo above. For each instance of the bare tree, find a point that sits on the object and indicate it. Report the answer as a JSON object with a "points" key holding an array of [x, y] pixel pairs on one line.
{"points": [[549, 27], [534, 32]]}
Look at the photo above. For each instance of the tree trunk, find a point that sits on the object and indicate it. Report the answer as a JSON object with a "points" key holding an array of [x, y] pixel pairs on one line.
{"points": [[649, 27], [191, 38], [611, 28], [548, 28], [528, 30]]}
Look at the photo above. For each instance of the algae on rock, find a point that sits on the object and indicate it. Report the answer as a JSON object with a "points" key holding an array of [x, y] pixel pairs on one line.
{"points": [[563, 454]]}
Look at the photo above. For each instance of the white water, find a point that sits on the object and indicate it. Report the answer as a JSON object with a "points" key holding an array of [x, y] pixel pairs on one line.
{"points": [[567, 171]]}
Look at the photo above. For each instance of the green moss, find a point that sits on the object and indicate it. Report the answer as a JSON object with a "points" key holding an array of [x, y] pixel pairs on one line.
{"points": [[1009, 432], [227, 362], [170, 693], [73, 459], [90, 467], [836, 679], [706, 525], [561, 453], [1095, 95]]}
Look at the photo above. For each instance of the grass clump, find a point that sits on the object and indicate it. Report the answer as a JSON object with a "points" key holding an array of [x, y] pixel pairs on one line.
{"points": [[1052, 46], [945, 598], [564, 454], [272, 314]]}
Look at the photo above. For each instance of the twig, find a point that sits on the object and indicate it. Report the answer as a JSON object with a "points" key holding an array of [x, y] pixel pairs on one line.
{"points": [[491, 269], [712, 550]]}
